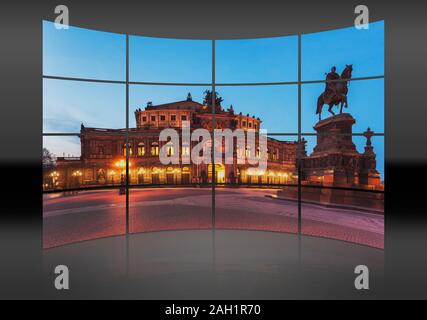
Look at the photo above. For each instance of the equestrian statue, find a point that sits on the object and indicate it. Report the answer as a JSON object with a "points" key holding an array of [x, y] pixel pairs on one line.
{"points": [[335, 91]]}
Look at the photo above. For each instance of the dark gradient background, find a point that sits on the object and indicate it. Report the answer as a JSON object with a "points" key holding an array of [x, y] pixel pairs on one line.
{"points": [[21, 256]]}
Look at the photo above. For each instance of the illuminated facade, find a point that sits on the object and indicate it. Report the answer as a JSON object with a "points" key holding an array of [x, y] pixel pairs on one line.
{"points": [[103, 151]]}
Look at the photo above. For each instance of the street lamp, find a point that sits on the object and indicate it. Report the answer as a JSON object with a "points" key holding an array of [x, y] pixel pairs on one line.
{"points": [[121, 164], [112, 173], [77, 174], [54, 176]]}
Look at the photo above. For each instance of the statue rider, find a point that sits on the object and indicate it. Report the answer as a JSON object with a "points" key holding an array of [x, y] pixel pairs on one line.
{"points": [[331, 86]]}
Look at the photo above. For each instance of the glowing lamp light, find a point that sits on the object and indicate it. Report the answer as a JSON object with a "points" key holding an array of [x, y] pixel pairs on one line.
{"points": [[156, 170], [121, 163], [77, 173], [254, 172], [54, 174]]}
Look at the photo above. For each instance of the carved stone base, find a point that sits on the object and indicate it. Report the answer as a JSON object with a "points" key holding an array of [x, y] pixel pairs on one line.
{"points": [[335, 160], [334, 135]]}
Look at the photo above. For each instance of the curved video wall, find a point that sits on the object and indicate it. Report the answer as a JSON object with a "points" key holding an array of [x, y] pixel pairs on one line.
{"points": [[281, 134]]}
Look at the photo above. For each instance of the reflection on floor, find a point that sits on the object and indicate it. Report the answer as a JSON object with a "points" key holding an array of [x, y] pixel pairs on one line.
{"points": [[226, 264]]}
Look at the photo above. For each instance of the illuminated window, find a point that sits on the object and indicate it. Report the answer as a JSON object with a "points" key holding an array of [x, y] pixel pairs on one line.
{"points": [[170, 149], [141, 149], [185, 150], [274, 107], [124, 149], [154, 149]]}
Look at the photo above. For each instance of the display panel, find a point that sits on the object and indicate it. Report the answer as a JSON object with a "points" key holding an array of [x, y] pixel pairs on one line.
{"points": [[257, 60], [110, 144], [364, 49], [250, 201], [81, 201], [274, 108], [70, 105], [343, 192], [364, 101], [83, 53], [168, 192], [170, 60]]}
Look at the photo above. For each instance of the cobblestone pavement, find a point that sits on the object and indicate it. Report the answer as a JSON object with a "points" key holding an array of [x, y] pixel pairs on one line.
{"points": [[93, 214]]}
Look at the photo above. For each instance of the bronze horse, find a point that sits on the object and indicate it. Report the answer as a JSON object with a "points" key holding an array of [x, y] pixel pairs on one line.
{"points": [[340, 97]]}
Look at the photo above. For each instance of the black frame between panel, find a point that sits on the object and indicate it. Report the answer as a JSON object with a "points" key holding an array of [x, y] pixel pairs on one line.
{"points": [[213, 85]]}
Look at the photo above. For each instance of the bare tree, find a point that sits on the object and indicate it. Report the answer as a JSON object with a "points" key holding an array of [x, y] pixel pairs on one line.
{"points": [[48, 160]]}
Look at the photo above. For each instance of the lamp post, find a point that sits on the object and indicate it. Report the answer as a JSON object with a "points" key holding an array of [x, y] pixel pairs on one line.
{"points": [[54, 176], [77, 174], [121, 164], [76, 177], [112, 173]]}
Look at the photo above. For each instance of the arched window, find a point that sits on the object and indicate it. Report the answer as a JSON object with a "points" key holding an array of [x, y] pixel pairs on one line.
{"points": [[124, 150], [141, 149], [248, 152], [185, 149], [154, 149], [170, 149]]}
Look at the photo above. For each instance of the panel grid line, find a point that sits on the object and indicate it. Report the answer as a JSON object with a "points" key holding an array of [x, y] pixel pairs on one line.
{"points": [[201, 84], [213, 105], [127, 132], [127, 135]]}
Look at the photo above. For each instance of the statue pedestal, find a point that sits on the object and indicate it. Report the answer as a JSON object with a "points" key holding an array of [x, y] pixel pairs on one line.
{"points": [[335, 162], [334, 159], [334, 135]]}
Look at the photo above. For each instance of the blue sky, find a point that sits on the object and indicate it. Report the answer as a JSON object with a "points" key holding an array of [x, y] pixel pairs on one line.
{"points": [[257, 60], [362, 48], [83, 53], [365, 104], [67, 104], [86, 53], [281, 112], [139, 95], [170, 60]]}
